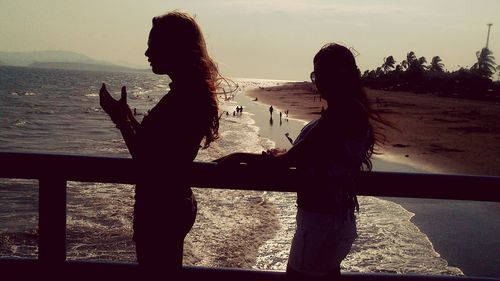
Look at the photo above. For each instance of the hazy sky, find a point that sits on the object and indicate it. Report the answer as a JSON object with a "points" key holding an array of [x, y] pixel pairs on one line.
{"points": [[260, 38]]}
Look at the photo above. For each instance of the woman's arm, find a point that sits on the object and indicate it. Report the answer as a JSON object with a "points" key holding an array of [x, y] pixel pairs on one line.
{"points": [[122, 116], [129, 136], [242, 157], [273, 157], [135, 124], [129, 130]]}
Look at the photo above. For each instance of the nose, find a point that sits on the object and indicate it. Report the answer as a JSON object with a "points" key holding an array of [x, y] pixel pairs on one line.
{"points": [[147, 52]]}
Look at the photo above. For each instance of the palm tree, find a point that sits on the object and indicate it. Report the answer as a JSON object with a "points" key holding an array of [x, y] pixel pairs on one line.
{"points": [[485, 65], [436, 64], [388, 63], [410, 58], [404, 64], [420, 63]]}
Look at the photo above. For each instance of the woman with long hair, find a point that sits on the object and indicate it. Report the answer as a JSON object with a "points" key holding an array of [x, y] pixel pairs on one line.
{"points": [[165, 143], [333, 148]]}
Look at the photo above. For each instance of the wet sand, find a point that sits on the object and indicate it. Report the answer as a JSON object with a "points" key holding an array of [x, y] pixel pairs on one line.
{"points": [[230, 227], [436, 134]]}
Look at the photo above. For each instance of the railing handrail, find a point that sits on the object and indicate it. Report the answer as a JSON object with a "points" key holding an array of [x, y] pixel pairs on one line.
{"points": [[30, 269], [246, 177]]}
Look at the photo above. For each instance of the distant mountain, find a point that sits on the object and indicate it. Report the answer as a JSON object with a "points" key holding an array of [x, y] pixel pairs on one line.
{"points": [[84, 66], [130, 65], [59, 59], [27, 58]]}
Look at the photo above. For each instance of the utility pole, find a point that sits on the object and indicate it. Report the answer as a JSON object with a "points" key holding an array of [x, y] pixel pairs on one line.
{"points": [[488, 37]]}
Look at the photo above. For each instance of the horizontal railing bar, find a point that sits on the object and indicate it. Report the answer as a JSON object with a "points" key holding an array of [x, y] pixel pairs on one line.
{"points": [[90, 270], [246, 177]]}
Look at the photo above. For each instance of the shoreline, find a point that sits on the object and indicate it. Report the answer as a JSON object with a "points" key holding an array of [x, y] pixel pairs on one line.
{"points": [[473, 257]]}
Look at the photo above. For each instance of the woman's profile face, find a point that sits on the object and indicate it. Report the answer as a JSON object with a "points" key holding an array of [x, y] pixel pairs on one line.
{"points": [[157, 53], [324, 80]]}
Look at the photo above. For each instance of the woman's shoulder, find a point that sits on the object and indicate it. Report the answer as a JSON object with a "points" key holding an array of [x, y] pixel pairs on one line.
{"points": [[310, 124]]}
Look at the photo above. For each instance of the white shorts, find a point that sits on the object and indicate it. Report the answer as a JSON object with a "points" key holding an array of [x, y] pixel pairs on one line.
{"points": [[321, 242]]}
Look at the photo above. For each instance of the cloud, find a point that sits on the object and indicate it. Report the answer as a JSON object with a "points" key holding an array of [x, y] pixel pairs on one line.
{"points": [[318, 8]]}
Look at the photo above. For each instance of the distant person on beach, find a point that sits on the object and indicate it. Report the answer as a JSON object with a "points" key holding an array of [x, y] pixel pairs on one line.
{"points": [[163, 147], [271, 111], [332, 149]]}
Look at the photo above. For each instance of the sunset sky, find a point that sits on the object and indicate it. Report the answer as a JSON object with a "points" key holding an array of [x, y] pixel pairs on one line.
{"points": [[260, 38]]}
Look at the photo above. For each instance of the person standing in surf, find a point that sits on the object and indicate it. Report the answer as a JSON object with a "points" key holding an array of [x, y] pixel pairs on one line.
{"points": [[163, 147], [333, 148]]}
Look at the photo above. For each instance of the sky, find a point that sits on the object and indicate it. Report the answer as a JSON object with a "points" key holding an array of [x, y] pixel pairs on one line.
{"points": [[273, 39]]}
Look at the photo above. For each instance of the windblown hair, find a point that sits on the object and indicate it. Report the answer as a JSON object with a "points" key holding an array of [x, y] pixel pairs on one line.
{"points": [[335, 67], [186, 41]]}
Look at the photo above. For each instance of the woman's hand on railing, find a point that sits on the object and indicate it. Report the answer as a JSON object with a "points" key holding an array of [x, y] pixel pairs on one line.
{"points": [[229, 160], [237, 158], [273, 152]]}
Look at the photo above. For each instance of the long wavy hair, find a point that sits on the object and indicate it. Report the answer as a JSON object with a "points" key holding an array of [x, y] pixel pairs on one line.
{"points": [[338, 78], [186, 41]]}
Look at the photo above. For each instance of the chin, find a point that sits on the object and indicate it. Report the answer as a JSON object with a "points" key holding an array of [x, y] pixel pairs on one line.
{"points": [[157, 70]]}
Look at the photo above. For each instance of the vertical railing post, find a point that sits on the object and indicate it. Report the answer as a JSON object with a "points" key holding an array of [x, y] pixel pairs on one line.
{"points": [[52, 221]]}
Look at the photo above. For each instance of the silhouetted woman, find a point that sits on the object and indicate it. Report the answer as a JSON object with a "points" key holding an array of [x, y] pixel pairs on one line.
{"points": [[164, 145], [333, 148]]}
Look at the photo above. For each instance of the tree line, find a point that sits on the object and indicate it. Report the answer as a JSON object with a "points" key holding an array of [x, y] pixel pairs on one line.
{"points": [[415, 74]]}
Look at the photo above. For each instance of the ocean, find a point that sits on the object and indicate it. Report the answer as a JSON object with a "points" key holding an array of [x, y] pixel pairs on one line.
{"points": [[57, 111]]}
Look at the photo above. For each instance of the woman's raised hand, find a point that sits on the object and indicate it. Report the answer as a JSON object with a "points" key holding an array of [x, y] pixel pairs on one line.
{"points": [[118, 110]]}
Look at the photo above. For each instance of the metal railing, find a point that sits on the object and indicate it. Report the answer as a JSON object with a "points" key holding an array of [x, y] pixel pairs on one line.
{"points": [[54, 170]]}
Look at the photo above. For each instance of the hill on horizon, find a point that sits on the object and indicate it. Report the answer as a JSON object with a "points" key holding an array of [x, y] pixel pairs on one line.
{"points": [[85, 66], [59, 59]]}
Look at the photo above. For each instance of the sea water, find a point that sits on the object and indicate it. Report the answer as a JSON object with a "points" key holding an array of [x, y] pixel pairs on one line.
{"points": [[58, 111]]}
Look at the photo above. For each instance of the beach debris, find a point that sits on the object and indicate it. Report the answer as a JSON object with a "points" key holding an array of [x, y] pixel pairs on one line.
{"points": [[400, 145]]}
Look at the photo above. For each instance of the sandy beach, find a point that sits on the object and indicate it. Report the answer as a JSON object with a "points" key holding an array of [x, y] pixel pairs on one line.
{"points": [[437, 135]]}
